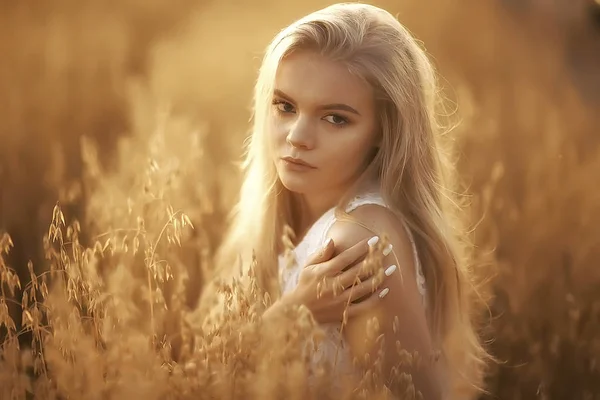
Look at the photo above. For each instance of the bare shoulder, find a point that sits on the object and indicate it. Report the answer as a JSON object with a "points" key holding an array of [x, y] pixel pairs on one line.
{"points": [[372, 220], [403, 300]]}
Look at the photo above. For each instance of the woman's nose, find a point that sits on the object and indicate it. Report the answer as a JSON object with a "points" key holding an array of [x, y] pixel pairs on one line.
{"points": [[300, 135]]}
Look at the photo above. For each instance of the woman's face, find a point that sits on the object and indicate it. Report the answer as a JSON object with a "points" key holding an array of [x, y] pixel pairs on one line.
{"points": [[322, 121]]}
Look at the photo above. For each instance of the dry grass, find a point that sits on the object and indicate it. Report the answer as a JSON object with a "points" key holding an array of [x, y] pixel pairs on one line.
{"points": [[131, 124], [110, 321]]}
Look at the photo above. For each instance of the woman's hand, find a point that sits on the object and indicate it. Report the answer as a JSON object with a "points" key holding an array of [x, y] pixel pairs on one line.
{"points": [[329, 286]]}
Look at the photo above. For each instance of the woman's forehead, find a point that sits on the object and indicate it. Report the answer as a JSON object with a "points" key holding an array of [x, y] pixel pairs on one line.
{"points": [[311, 77]]}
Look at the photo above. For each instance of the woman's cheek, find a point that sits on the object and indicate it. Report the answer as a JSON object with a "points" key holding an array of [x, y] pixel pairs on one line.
{"points": [[342, 161], [355, 158], [276, 136]]}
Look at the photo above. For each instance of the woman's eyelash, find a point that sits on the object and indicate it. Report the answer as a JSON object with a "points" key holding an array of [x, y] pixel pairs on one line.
{"points": [[277, 102], [344, 120]]}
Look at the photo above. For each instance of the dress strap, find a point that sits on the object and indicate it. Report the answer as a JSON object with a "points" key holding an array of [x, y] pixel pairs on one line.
{"points": [[364, 199]]}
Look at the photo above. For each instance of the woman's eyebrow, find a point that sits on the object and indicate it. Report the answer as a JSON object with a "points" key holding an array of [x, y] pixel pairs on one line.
{"points": [[327, 107], [340, 107], [279, 93]]}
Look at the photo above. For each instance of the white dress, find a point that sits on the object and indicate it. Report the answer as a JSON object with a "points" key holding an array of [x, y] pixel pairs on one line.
{"points": [[313, 241]]}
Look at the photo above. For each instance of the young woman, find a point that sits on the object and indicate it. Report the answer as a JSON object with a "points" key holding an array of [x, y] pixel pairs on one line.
{"points": [[345, 145]]}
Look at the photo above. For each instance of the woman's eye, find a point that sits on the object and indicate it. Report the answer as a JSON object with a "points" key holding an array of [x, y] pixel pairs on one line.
{"points": [[336, 119], [283, 106]]}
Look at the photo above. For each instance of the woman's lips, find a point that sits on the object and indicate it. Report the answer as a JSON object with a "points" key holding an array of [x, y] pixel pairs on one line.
{"points": [[296, 164]]}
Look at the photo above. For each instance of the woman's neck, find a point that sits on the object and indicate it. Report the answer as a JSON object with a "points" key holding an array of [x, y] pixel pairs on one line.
{"points": [[311, 206], [308, 209]]}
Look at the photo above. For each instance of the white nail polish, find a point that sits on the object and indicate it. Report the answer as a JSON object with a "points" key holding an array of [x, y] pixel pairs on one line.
{"points": [[390, 270], [373, 241], [388, 250], [327, 242], [383, 293]]}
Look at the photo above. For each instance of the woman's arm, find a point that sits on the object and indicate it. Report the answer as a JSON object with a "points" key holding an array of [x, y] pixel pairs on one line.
{"points": [[402, 303]]}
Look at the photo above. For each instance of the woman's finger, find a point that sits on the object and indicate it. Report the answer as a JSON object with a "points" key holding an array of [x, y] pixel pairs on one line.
{"points": [[368, 304], [323, 254], [349, 256], [368, 286], [356, 274]]}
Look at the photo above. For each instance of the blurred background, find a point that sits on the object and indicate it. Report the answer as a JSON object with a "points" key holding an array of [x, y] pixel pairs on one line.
{"points": [[94, 92]]}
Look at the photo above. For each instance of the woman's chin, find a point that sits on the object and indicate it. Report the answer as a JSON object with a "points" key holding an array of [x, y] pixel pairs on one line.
{"points": [[295, 184]]}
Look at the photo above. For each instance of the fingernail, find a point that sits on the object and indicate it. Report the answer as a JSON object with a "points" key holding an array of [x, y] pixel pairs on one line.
{"points": [[373, 241], [327, 242], [383, 293], [390, 270], [388, 249]]}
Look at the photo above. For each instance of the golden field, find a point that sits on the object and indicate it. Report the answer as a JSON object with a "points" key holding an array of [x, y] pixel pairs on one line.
{"points": [[131, 116]]}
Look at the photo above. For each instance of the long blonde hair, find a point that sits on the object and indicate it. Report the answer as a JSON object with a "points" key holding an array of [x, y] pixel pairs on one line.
{"points": [[413, 166]]}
